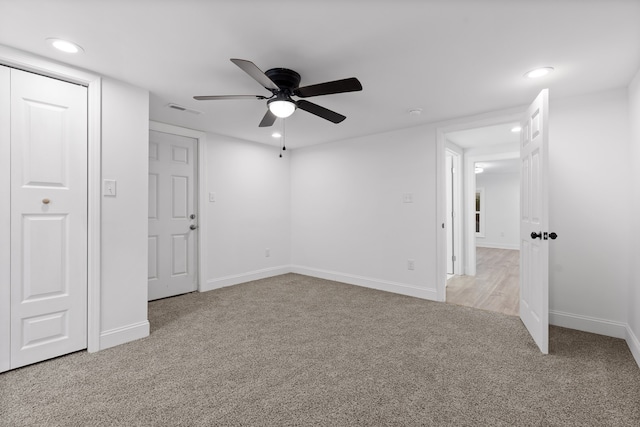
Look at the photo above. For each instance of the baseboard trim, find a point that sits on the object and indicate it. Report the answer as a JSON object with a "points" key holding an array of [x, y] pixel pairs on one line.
{"points": [[125, 334], [588, 324], [634, 344], [381, 285], [236, 279], [497, 245]]}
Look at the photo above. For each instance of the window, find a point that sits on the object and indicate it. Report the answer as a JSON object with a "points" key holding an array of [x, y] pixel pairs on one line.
{"points": [[480, 212]]}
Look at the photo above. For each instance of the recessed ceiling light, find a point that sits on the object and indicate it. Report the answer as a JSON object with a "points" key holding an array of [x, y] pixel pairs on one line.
{"points": [[538, 72], [516, 129], [65, 46], [415, 112], [276, 134]]}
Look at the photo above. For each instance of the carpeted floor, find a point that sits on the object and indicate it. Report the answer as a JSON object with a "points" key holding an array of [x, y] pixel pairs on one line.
{"points": [[294, 350]]}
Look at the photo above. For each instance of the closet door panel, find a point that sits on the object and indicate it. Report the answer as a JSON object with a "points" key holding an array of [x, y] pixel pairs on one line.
{"points": [[5, 221], [48, 218]]}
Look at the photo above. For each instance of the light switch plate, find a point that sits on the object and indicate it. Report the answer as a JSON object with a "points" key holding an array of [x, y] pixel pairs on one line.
{"points": [[109, 187], [212, 197]]}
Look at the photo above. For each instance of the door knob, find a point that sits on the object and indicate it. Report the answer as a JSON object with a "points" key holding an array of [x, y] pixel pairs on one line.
{"points": [[193, 226], [535, 235], [553, 235]]}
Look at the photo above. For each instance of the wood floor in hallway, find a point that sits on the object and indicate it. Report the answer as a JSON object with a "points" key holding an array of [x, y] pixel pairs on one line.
{"points": [[495, 286]]}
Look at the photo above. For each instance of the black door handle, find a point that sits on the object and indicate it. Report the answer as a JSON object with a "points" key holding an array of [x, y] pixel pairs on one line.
{"points": [[535, 235], [553, 236]]}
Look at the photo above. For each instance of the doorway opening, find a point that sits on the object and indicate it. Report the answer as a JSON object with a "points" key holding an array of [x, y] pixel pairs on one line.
{"points": [[488, 204]]}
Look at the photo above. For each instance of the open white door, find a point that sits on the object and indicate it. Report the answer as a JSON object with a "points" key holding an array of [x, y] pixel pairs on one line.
{"points": [[534, 215], [172, 215]]}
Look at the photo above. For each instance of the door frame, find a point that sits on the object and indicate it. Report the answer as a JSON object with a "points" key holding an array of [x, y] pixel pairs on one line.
{"points": [[200, 177], [489, 119], [457, 155], [28, 62]]}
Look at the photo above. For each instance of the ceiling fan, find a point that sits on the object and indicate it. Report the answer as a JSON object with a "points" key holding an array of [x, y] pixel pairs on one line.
{"points": [[283, 84]]}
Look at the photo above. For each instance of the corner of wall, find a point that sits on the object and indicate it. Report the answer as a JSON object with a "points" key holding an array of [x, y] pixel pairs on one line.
{"points": [[125, 334], [235, 279], [633, 297], [634, 344], [124, 218]]}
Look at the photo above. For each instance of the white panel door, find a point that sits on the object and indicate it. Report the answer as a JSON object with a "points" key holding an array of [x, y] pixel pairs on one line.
{"points": [[172, 215], [534, 246], [5, 221], [48, 218]]}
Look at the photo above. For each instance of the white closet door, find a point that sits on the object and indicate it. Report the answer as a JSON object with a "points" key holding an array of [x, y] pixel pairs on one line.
{"points": [[5, 221], [48, 218]]}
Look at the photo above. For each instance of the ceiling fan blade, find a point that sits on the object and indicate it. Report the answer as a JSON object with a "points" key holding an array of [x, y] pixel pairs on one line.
{"points": [[319, 111], [268, 120], [217, 97], [255, 72], [338, 86]]}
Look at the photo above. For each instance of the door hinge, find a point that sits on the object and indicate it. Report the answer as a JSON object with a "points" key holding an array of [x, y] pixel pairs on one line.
{"points": [[453, 258]]}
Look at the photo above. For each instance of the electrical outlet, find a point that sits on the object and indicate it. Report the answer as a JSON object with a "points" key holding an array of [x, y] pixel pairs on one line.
{"points": [[267, 252], [411, 264], [407, 198]]}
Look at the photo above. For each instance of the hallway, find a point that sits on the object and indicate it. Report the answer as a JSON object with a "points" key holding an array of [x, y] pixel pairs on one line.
{"points": [[495, 286]]}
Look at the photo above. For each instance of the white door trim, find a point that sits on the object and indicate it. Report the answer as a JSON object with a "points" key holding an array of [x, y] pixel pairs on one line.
{"points": [[201, 138], [458, 206], [494, 118], [28, 62]]}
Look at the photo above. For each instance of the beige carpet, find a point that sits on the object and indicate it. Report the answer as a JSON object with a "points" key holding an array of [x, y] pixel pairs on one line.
{"points": [[294, 350]]}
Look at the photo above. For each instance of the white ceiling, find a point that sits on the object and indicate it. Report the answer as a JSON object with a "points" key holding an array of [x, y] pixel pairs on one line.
{"points": [[485, 136], [449, 58], [499, 166]]}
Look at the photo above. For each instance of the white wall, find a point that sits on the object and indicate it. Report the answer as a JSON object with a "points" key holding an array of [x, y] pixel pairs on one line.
{"points": [[125, 158], [501, 210], [588, 208], [633, 334], [349, 222], [252, 211]]}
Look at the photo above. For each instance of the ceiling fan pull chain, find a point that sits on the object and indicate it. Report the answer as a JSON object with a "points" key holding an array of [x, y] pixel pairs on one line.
{"points": [[284, 135]]}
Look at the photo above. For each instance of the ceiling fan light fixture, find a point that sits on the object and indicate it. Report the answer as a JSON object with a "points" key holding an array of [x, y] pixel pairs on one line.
{"points": [[282, 108]]}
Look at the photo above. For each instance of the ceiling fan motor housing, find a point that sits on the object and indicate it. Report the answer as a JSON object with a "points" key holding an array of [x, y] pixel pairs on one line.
{"points": [[287, 80]]}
